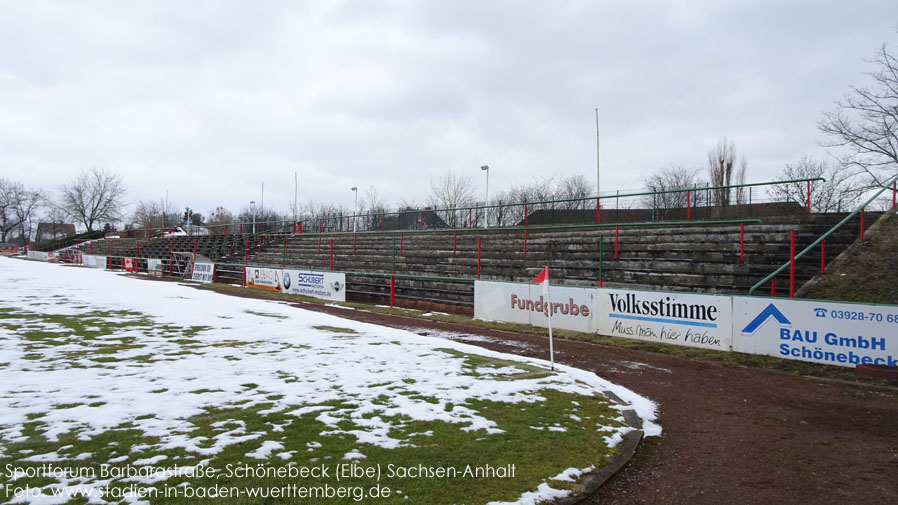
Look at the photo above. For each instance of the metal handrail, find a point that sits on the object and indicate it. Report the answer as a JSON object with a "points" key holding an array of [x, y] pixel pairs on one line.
{"points": [[823, 237], [279, 227]]}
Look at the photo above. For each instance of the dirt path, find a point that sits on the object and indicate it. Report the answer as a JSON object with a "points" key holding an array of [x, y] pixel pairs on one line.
{"points": [[731, 435]]}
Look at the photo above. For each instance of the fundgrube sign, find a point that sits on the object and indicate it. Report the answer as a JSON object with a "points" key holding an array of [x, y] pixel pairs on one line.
{"points": [[571, 308]]}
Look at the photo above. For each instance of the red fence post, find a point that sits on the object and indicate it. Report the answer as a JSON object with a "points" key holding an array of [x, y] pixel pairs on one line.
{"points": [[792, 264], [332, 254], [478, 256], [392, 289], [823, 257], [525, 215], [353, 242], [688, 205], [615, 241], [773, 287], [455, 244], [809, 197], [347, 223], [862, 224], [741, 241], [383, 222]]}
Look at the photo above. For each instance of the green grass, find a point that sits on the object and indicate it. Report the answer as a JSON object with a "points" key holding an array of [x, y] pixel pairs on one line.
{"points": [[540, 438], [526, 443]]}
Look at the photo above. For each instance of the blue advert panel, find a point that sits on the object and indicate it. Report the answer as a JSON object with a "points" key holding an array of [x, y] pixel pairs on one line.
{"points": [[832, 333]]}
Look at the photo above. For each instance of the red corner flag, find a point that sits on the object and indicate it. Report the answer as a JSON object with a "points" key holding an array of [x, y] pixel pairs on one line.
{"points": [[543, 279]]}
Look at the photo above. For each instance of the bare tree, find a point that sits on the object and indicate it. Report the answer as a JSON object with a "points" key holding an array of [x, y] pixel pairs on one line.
{"points": [[840, 190], [451, 190], [666, 182], [372, 206], [220, 216], [18, 204], [865, 121], [151, 214], [725, 168], [93, 196], [573, 189]]}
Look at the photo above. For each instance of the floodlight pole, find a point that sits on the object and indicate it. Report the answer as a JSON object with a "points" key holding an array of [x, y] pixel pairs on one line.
{"points": [[252, 204]]}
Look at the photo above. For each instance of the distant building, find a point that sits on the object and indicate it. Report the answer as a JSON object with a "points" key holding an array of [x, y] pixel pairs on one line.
{"points": [[50, 231]]}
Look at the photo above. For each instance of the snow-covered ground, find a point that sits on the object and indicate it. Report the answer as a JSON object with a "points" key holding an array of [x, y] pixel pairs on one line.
{"points": [[176, 351]]}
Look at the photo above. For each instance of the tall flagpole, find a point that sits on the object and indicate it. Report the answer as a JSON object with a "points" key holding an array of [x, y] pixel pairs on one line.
{"points": [[598, 185]]}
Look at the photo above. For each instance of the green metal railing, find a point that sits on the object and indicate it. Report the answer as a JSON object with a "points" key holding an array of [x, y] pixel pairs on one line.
{"points": [[887, 186], [658, 206]]}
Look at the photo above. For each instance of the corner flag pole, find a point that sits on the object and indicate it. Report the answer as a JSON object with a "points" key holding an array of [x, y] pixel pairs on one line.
{"points": [[549, 298], [543, 280]]}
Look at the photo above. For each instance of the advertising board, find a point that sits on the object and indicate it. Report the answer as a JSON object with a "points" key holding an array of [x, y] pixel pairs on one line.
{"points": [[572, 308], [268, 279], [324, 285], [832, 333], [203, 272]]}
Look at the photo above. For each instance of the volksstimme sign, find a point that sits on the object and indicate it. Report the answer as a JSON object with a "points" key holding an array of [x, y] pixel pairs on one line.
{"points": [[672, 318]]}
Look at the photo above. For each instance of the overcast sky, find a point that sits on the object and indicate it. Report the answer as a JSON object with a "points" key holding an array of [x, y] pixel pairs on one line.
{"points": [[206, 100]]}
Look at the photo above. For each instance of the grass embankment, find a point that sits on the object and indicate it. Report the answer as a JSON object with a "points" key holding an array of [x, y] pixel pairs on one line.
{"points": [[868, 273]]}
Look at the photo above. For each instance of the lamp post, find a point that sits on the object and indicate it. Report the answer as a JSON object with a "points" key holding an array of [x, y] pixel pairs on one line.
{"points": [[486, 211], [252, 204], [355, 207]]}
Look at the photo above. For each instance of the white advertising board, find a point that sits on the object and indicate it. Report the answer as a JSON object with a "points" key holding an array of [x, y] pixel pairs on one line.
{"points": [[153, 265], [93, 261], [672, 318], [203, 272], [268, 279], [832, 333], [325, 285], [572, 308], [37, 255]]}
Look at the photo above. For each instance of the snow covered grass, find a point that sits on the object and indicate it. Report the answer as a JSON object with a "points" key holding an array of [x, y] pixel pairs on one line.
{"points": [[179, 388]]}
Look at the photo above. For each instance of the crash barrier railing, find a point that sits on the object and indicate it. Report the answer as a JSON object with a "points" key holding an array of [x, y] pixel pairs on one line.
{"points": [[892, 186], [708, 202]]}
